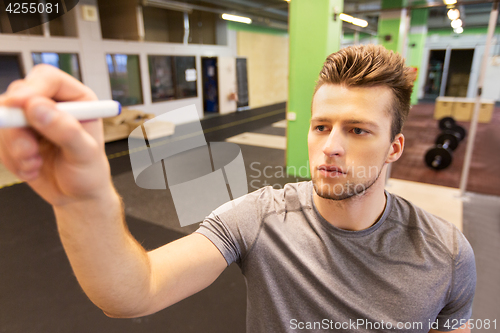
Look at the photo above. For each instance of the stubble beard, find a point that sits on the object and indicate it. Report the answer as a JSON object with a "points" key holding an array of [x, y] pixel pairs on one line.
{"points": [[344, 191]]}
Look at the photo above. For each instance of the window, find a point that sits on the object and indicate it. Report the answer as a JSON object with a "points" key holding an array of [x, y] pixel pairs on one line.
{"points": [[161, 78], [125, 78], [185, 70], [67, 62], [10, 70], [172, 77]]}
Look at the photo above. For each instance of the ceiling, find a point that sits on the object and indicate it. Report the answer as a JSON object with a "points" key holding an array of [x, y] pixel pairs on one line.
{"points": [[274, 13]]}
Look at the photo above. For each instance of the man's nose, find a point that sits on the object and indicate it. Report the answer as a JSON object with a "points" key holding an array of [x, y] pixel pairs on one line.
{"points": [[334, 145]]}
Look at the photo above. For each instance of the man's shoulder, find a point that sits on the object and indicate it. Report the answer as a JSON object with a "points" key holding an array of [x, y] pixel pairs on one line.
{"points": [[268, 199], [431, 227]]}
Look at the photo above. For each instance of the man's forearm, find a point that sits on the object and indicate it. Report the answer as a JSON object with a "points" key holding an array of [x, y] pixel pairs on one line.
{"points": [[110, 265]]}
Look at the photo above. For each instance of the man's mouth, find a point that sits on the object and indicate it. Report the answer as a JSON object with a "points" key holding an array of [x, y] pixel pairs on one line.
{"points": [[331, 170]]}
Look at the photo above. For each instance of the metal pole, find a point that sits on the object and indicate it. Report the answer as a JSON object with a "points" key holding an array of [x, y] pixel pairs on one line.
{"points": [[185, 40], [477, 104], [141, 31], [444, 73]]}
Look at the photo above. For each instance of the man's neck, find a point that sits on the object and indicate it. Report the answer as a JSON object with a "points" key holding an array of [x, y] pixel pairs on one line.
{"points": [[356, 213]]}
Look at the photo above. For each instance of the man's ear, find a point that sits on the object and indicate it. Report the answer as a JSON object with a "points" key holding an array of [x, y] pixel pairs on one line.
{"points": [[396, 148]]}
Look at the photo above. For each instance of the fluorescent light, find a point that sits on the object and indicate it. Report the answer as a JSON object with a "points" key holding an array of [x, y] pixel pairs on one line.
{"points": [[453, 14], [456, 23], [237, 18], [353, 20], [458, 30], [450, 2]]}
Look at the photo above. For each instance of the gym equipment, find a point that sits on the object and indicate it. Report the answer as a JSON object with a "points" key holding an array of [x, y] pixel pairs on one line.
{"points": [[448, 123], [441, 155]]}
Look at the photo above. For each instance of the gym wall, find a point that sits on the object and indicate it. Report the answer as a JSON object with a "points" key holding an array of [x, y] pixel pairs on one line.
{"points": [[267, 61]]}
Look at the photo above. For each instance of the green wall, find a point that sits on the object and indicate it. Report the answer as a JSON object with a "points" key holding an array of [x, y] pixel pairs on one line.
{"points": [[416, 43], [313, 36], [389, 23], [389, 27]]}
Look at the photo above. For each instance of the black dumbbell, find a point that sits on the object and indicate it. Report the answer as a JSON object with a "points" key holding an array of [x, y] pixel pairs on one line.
{"points": [[448, 123], [441, 155]]}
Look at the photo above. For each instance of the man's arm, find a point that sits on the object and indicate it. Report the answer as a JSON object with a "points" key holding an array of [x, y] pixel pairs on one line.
{"points": [[64, 161], [118, 275]]}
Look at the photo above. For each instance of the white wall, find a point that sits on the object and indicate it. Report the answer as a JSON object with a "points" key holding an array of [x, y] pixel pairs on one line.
{"points": [[491, 88], [92, 50], [226, 72]]}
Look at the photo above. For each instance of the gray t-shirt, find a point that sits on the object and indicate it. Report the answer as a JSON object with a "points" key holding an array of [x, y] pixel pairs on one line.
{"points": [[404, 273]]}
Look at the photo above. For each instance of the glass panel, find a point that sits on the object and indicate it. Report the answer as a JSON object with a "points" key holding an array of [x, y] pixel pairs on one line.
{"points": [[125, 78], [10, 70], [185, 76], [67, 62], [161, 78], [434, 74]]}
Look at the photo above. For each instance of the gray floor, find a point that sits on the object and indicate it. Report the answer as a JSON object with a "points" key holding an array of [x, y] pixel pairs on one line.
{"points": [[482, 229]]}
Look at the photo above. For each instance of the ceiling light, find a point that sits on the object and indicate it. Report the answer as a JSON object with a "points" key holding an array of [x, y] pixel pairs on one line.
{"points": [[456, 23], [353, 20], [458, 30], [450, 2], [237, 18], [453, 14]]}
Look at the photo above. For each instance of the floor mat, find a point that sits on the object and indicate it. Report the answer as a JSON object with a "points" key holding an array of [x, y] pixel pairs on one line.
{"points": [[421, 130]]}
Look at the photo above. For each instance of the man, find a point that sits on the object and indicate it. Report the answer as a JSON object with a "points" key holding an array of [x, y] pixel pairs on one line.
{"points": [[335, 254]]}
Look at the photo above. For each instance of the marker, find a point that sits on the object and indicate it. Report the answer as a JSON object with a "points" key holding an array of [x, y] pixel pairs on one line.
{"points": [[14, 117]]}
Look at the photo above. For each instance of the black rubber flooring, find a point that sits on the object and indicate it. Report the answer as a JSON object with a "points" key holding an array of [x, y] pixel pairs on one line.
{"points": [[38, 291]]}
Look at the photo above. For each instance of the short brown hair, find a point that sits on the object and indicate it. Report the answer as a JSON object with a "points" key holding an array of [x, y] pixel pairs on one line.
{"points": [[369, 66]]}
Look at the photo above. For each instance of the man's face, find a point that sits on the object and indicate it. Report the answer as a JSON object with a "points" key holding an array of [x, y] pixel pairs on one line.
{"points": [[349, 139]]}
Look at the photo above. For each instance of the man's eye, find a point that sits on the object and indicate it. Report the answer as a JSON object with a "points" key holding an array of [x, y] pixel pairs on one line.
{"points": [[358, 130], [320, 128]]}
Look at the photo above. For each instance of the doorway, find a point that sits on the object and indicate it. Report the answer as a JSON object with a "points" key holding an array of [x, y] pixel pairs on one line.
{"points": [[459, 69], [434, 74], [448, 73], [210, 85]]}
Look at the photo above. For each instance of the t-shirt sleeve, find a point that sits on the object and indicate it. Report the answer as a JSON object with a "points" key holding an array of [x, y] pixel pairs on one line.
{"points": [[459, 306], [220, 235], [233, 227]]}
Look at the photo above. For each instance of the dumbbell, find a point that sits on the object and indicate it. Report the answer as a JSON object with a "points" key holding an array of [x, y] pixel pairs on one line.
{"points": [[441, 155], [448, 123]]}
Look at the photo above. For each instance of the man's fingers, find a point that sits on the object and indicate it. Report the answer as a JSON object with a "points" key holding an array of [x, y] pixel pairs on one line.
{"points": [[62, 129], [19, 151]]}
